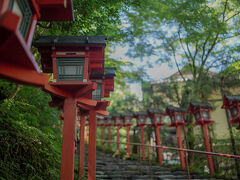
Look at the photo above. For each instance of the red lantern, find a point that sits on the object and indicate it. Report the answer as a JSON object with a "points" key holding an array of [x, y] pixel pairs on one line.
{"points": [[127, 119], [100, 121], [141, 118], [201, 112], [176, 115], [110, 73], [18, 19], [117, 120], [231, 103], [156, 117], [108, 121]]}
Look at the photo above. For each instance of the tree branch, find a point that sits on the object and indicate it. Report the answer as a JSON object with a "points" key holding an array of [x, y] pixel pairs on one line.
{"points": [[175, 60]]}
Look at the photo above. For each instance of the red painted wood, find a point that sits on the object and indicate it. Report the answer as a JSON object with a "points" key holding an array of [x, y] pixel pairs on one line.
{"points": [[86, 66], [31, 31], [12, 41], [52, 3], [101, 112], [128, 141], [118, 140], [55, 10], [56, 91], [54, 67], [158, 142], [81, 147], [109, 137], [68, 143], [180, 145], [92, 146], [4, 6], [86, 90], [22, 75], [86, 101], [142, 142], [36, 8], [208, 149]]}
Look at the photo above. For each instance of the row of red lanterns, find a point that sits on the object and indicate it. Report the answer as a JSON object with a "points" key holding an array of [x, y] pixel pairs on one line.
{"points": [[201, 112]]}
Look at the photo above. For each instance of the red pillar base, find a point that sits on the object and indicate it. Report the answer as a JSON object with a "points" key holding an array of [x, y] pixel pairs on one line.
{"points": [[68, 142], [92, 146]]}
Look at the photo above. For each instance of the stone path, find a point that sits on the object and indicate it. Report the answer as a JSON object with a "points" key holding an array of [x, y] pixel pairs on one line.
{"points": [[112, 168]]}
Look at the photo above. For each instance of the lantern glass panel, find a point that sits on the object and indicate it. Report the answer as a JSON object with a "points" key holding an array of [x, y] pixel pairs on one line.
{"points": [[127, 120], [142, 120], [179, 117], [97, 94], [70, 69], [172, 119], [197, 116], [109, 121], [152, 119], [158, 119], [205, 115], [234, 111], [118, 121], [22, 9]]}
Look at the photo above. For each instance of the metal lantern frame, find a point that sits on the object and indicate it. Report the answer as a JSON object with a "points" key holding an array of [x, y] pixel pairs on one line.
{"points": [[199, 110]]}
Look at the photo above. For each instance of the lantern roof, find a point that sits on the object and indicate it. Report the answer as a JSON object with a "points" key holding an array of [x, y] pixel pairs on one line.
{"points": [[140, 113], [194, 105], [127, 114], [227, 102], [232, 97], [108, 117], [70, 40], [155, 111], [174, 109], [110, 71], [96, 75]]}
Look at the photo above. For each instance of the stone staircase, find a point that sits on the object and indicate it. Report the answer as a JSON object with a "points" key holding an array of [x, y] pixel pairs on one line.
{"points": [[108, 167]]}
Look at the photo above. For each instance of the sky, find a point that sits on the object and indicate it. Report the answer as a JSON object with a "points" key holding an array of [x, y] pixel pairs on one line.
{"points": [[157, 72]]}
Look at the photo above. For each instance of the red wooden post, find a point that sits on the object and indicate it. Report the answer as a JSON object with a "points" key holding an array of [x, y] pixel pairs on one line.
{"points": [[118, 139], [180, 145], [101, 140], [208, 149], [92, 146], [109, 137], [68, 144], [81, 147], [158, 141], [142, 142], [128, 141]]}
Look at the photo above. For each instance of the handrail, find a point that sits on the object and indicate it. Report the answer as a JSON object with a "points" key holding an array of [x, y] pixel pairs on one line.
{"points": [[178, 149]]}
